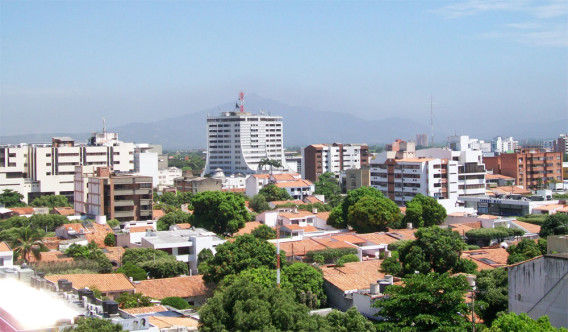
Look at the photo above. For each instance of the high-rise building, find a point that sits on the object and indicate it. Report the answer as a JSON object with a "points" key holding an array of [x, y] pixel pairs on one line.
{"points": [[503, 145], [237, 141], [41, 169], [401, 175], [421, 139], [464, 142], [561, 144], [321, 158], [531, 168]]}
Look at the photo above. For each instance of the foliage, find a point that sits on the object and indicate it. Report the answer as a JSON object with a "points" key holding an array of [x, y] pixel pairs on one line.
{"points": [[113, 223], [486, 235], [10, 198], [392, 266], [259, 204], [219, 212], [26, 241], [50, 201], [15, 222], [140, 255], [321, 207], [526, 249], [555, 224], [205, 255], [164, 268], [245, 252], [492, 294], [328, 186], [73, 267], [273, 193], [269, 162], [522, 322], [396, 245], [264, 232], [354, 196], [175, 200], [424, 211], [465, 265], [187, 160], [176, 302], [348, 321], [372, 214], [347, 259], [132, 300], [47, 222], [335, 218], [172, 218], [89, 324], [537, 219], [330, 255], [132, 271], [434, 249], [90, 252], [426, 302], [559, 196], [110, 240]]}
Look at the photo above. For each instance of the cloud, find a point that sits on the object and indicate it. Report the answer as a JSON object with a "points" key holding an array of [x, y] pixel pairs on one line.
{"points": [[473, 7]]}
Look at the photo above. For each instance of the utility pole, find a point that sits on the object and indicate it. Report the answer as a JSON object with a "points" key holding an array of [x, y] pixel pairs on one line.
{"points": [[277, 254]]}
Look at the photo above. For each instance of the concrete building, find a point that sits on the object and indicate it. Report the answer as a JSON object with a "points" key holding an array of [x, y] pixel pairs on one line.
{"points": [[291, 182], [167, 176], [40, 169], [294, 162], [531, 168], [197, 184], [352, 179], [6, 255], [401, 175], [237, 141], [513, 205], [561, 144], [118, 196], [422, 139], [321, 158], [539, 287], [504, 145], [464, 142]]}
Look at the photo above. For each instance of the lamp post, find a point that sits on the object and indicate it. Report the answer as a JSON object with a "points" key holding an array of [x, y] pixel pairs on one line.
{"points": [[471, 281]]}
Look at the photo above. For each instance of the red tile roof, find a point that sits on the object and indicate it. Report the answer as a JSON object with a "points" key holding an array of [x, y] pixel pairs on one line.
{"points": [[296, 215], [300, 248], [249, 227], [4, 247], [312, 199], [186, 286], [98, 233], [297, 202], [50, 257], [330, 242], [306, 229], [487, 258], [111, 282], [22, 210], [145, 310], [529, 227], [139, 229], [157, 214], [354, 276], [64, 211], [294, 184], [286, 176]]}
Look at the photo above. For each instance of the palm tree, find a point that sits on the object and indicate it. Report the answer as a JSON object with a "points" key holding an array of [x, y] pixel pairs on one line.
{"points": [[269, 162], [26, 241]]}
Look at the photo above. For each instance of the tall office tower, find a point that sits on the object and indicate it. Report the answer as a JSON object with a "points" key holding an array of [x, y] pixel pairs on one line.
{"points": [[237, 141]]}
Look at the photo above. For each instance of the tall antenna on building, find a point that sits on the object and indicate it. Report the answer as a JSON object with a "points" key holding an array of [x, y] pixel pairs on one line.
{"points": [[104, 125], [431, 122], [241, 103]]}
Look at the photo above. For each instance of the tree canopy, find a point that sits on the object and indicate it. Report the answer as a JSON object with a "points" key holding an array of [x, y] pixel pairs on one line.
{"points": [[426, 302], [555, 224], [264, 232], [524, 250], [176, 302], [328, 186], [156, 263], [522, 322], [273, 193], [219, 212], [424, 211], [492, 294], [50, 201], [11, 198], [484, 236], [373, 214], [132, 271], [133, 300], [89, 324], [245, 252], [259, 204], [172, 218]]}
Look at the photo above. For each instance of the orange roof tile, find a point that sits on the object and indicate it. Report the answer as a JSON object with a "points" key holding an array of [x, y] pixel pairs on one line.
{"points": [[488, 216], [4, 247], [465, 227], [294, 184], [300, 248], [98, 233], [261, 176], [323, 215], [286, 176], [112, 282], [296, 215], [353, 276], [487, 258], [490, 176], [139, 229], [76, 226], [64, 211], [52, 243], [249, 227], [402, 234], [22, 210], [510, 190], [532, 228], [114, 254], [145, 310], [349, 237], [312, 199], [378, 238], [332, 243], [50, 257], [186, 286], [184, 225], [549, 207], [294, 227], [157, 214], [164, 322], [297, 202]]}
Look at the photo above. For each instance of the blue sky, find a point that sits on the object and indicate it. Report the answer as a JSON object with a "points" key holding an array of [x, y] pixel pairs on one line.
{"points": [[64, 65]]}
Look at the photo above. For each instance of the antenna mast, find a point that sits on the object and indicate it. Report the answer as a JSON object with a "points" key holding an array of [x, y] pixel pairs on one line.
{"points": [[104, 125], [431, 123], [241, 102]]}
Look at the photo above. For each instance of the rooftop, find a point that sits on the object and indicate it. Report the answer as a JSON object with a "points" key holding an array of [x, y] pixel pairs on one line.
{"points": [[487, 258], [186, 286], [249, 227], [112, 282], [294, 184], [4, 247], [353, 276], [300, 214], [145, 310]]}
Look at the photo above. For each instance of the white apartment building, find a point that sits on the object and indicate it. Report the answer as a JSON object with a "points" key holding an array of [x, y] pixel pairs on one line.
{"points": [[464, 142], [237, 141], [40, 169], [321, 158], [401, 175], [166, 176], [471, 170], [502, 145]]}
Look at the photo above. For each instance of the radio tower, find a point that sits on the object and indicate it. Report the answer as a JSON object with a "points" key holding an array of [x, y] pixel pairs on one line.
{"points": [[431, 123], [241, 102]]}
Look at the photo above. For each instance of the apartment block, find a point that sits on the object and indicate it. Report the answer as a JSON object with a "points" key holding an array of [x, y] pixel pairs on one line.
{"points": [[561, 144], [422, 139], [401, 175], [503, 145], [237, 141], [531, 168], [118, 196], [197, 184], [464, 142], [354, 178], [321, 158], [34, 170]]}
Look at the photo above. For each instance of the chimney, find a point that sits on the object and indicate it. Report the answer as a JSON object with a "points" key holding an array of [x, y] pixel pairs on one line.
{"points": [[374, 289]]}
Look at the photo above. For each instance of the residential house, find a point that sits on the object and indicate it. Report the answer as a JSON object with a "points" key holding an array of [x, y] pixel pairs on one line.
{"points": [[6, 255], [110, 285], [191, 288]]}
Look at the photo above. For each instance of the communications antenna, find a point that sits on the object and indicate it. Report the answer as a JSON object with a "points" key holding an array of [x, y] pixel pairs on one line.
{"points": [[431, 122]]}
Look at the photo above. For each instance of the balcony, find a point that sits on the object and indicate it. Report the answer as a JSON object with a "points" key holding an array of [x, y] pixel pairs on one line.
{"points": [[124, 214], [124, 203], [123, 192]]}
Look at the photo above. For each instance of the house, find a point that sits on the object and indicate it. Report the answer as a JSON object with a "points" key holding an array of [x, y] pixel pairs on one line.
{"points": [[551, 209], [48, 257], [168, 323], [111, 285], [90, 231], [487, 258], [498, 180], [63, 211], [191, 288], [23, 211], [255, 182], [539, 287], [298, 189], [249, 227], [6, 255]]}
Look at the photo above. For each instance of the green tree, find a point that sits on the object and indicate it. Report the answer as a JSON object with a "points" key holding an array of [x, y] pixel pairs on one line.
{"points": [[372, 214], [273, 193], [259, 204], [492, 294], [11, 198], [110, 240], [392, 266], [264, 232], [526, 249], [426, 302], [328, 186], [269, 162], [511, 322], [330, 255], [424, 211], [219, 212], [90, 252], [164, 268], [348, 321], [205, 255], [307, 283], [335, 218], [354, 196], [555, 224], [132, 271], [50, 201], [484, 236], [245, 252], [89, 324], [48, 222], [140, 255], [347, 259], [26, 241], [176, 302], [172, 218], [133, 300], [113, 223]]}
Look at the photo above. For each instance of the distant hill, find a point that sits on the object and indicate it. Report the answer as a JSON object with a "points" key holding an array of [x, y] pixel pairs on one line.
{"points": [[303, 126]]}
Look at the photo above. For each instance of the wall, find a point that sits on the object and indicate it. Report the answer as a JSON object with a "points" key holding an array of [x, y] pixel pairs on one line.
{"points": [[336, 297]]}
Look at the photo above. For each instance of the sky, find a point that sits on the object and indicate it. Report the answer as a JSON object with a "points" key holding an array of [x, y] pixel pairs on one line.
{"points": [[64, 65]]}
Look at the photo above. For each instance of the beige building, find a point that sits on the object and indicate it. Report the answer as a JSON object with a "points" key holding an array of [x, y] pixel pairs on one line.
{"points": [[197, 184], [356, 178]]}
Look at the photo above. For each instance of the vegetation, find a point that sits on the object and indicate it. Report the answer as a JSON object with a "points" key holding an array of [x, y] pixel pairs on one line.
{"points": [[194, 161], [50, 201], [347, 259], [269, 162], [113, 223], [522, 322], [259, 204], [555, 224], [26, 241], [219, 212], [243, 253], [90, 252], [172, 218], [321, 207], [175, 200], [110, 240], [132, 300], [524, 250], [73, 267], [156, 263], [328, 186], [89, 324], [132, 271], [176, 302], [331, 255], [10, 198], [537, 219], [492, 294], [426, 302], [264, 232], [484, 236], [273, 193], [424, 211]]}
